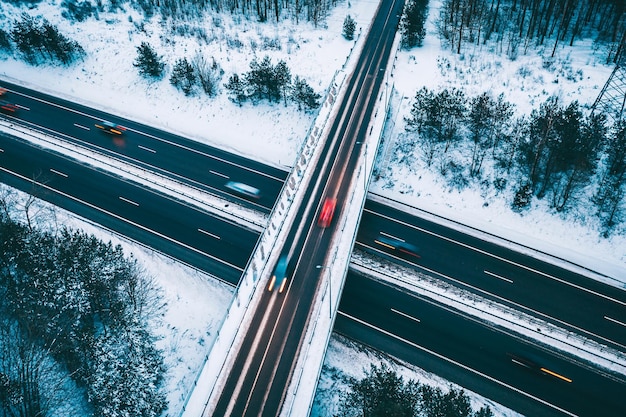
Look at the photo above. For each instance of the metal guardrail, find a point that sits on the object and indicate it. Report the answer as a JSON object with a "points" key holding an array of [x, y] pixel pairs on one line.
{"points": [[477, 306], [134, 171]]}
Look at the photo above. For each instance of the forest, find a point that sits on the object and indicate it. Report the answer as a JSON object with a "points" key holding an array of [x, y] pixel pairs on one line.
{"points": [[514, 27], [74, 317], [559, 152]]}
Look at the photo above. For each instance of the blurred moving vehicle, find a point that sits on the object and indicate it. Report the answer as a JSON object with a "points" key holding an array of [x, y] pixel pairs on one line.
{"points": [[2, 91], [111, 128], [7, 107], [397, 244], [534, 366], [279, 276], [243, 189], [326, 215]]}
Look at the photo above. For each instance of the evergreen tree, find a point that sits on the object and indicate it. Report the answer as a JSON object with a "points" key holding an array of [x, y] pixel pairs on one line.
{"points": [[127, 375], [536, 156], [609, 197], [261, 80], [489, 123], [183, 76], [303, 94], [282, 75], [412, 23], [349, 26], [27, 38], [438, 119], [148, 62], [236, 88], [576, 154], [266, 81], [381, 393], [58, 46], [86, 306]]}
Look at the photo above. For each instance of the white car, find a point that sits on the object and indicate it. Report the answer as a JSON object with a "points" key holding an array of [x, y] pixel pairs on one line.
{"points": [[243, 189]]}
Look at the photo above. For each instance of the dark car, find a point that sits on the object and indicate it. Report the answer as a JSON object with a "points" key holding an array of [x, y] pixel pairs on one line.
{"points": [[111, 128], [533, 365], [397, 245]]}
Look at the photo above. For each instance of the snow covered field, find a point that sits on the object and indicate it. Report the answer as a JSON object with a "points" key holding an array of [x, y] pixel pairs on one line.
{"points": [[273, 134]]}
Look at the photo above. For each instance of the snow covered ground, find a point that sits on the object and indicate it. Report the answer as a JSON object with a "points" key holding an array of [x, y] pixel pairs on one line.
{"points": [[273, 134]]}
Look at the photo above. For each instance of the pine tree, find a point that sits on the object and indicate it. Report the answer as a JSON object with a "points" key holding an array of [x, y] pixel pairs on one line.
{"points": [[282, 75], [236, 88], [261, 80], [127, 375], [438, 119], [381, 393], [611, 192], [27, 37], [412, 23], [303, 94], [148, 62], [349, 26], [183, 76]]}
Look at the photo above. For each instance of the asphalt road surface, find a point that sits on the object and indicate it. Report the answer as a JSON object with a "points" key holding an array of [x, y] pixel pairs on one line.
{"points": [[186, 160], [220, 247], [567, 299], [526, 377]]}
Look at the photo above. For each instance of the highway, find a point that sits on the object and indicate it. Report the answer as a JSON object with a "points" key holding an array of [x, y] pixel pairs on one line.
{"points": [[263, 366], [222, 249], [186, 160], [198, 238], [97, 195], [560, 296], [524, 376]]}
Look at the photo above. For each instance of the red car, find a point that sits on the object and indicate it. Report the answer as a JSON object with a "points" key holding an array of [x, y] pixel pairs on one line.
{"points": [[326, 215], [7, 107]]}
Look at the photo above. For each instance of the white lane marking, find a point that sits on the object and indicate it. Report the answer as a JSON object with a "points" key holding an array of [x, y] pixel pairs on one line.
{"points": [[452, 361], [22, 107], [81, 126], [209, 234], [207, 155], [615, 321], [498, 276], [54, 171], [155, 137], [251, 353], [146, 149], [219, 174], [606, 297], [267, 349], [116, 216], [392, 236], [520, 363], [520, 306], [1, 150], [405, 315], [129, 201]]}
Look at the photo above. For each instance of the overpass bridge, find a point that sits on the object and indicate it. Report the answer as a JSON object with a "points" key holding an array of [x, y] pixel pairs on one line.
{"points": [[268, 354]]}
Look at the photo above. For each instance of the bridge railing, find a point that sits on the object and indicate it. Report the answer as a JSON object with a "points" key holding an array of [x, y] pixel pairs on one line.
{"points": [[207, 382]]}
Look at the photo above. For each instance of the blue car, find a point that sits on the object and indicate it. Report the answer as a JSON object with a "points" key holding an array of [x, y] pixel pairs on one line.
{"points": [[279, 276], [397, 245], [244, 190]]}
